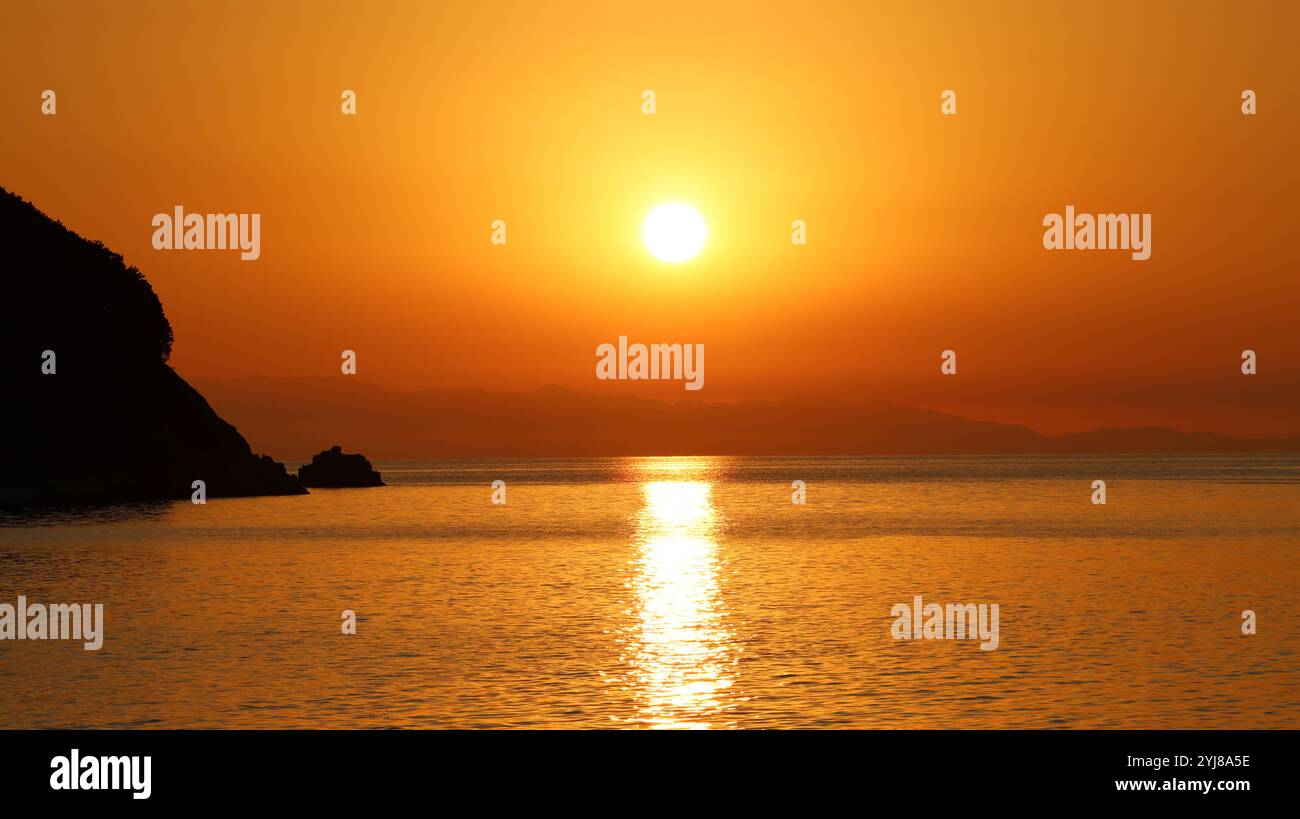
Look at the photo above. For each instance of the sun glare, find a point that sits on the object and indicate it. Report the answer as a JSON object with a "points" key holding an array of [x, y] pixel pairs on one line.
{"points": [[674, 232]]}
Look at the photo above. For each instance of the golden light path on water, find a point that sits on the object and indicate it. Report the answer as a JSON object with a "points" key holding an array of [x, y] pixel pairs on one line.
{"points": [[682, 653]]}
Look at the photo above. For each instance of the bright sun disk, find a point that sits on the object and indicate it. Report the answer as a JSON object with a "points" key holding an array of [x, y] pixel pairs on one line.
{"points": [[674, 232]]}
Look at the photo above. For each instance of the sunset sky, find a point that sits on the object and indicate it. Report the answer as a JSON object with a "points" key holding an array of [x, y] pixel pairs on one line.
{"points": [[924, 230]]}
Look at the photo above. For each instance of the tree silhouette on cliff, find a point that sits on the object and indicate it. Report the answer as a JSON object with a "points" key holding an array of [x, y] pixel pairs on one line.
{"points": [[112, 421]]}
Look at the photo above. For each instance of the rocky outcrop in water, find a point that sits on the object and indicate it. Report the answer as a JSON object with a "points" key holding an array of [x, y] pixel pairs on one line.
{"points": [[334, 469]]}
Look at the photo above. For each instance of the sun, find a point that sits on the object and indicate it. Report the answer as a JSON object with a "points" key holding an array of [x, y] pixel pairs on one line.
{"points": [[674, 232]]}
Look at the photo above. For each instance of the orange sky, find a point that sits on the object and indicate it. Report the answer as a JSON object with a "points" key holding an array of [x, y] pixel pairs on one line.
{"points": [[924, 230]]}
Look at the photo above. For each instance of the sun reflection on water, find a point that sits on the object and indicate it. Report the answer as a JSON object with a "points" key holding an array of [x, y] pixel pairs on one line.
{"points": [[682, 653]]}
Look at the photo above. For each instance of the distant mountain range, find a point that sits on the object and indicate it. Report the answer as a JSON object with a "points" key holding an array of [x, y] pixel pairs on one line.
{"points": [[290, 416]]}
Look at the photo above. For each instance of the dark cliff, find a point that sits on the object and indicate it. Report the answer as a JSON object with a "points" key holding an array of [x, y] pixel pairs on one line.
{"points": [[112, 422]]}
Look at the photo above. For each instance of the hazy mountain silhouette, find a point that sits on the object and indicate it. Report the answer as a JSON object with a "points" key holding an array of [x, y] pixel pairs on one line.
{"points": [[290, 416], [113, 422]]}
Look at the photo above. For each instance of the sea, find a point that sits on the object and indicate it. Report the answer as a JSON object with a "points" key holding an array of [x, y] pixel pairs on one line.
{"points": [[679, 592]]}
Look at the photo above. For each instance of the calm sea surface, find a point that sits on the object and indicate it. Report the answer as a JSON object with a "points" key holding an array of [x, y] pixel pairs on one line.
{"points": [[679, 592]]}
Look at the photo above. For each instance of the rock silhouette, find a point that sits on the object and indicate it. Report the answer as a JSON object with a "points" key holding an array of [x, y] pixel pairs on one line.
{"points": [[333, 469], [91, 412]]}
